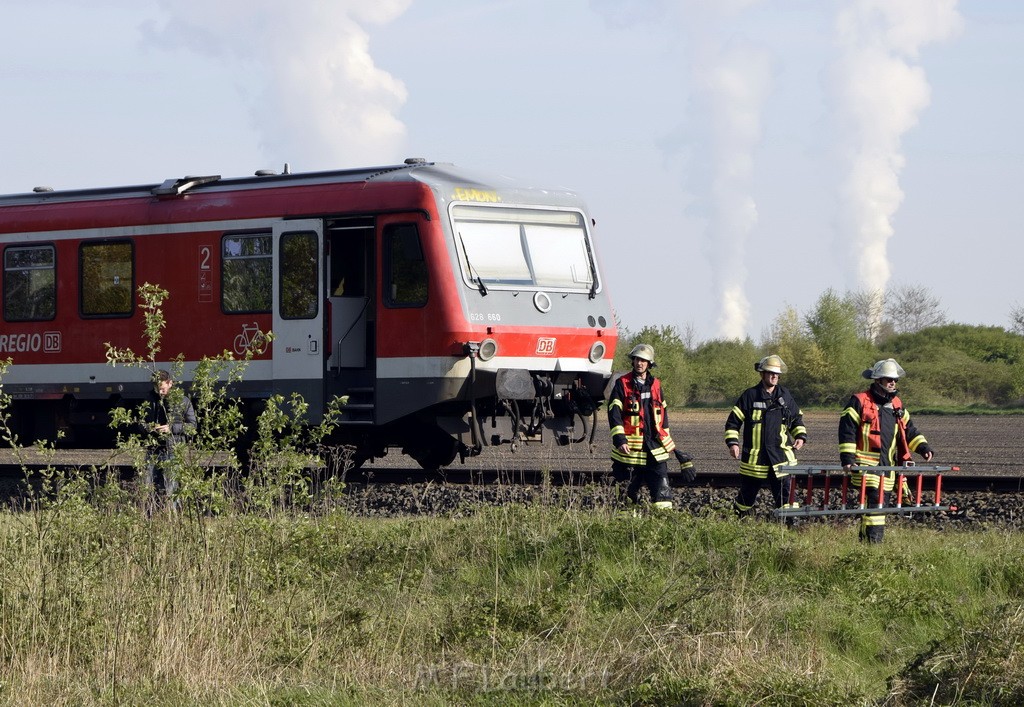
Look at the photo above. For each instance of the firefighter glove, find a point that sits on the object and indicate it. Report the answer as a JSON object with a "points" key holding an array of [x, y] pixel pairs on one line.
{"points": [[686, 467]]}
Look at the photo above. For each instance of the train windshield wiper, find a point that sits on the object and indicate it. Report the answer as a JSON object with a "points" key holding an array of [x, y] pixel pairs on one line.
{"points": [[473, 274]]}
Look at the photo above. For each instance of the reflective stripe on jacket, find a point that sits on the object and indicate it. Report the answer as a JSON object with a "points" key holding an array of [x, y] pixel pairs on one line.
{"points": [[769, 424], [636, 412], [876, 435]]}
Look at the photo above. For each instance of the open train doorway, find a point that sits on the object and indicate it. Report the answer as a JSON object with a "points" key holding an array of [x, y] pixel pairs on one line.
{"points": [[351, 368], [350, 274]]}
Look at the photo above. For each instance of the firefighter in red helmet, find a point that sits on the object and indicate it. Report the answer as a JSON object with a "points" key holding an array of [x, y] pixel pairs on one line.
{"points": [[641, 441], [875, 430]]}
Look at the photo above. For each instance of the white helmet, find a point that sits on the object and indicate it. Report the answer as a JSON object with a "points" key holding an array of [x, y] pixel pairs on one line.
{"points": [[887, 368], [644, 351], [770, 364]]}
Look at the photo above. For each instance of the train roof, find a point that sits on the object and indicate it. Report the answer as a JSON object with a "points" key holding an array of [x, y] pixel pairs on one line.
{"points": [[433, 174]]}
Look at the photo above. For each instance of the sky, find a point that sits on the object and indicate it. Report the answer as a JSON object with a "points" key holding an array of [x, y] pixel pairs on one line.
{"points": [[740, 157]]}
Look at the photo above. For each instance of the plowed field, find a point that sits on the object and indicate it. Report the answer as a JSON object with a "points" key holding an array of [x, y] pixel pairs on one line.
{"points": [[978, 444]]}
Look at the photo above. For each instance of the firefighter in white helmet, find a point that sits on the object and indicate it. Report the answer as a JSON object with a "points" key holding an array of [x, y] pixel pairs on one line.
{"points": [[763, 431], [875, 430], [641, 441]]}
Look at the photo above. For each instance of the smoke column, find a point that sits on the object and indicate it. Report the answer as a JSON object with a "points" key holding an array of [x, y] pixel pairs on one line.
{"points": [[731, 81], [320, 101], [880, 92]]}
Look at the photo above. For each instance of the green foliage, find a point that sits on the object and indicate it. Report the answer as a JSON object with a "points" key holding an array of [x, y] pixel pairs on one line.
{"points": [[833, 328], [827, 349], [287, 454], [670, 357], [510, 605], [961, 364], [807, 362], [285, 451], [722, 369]]}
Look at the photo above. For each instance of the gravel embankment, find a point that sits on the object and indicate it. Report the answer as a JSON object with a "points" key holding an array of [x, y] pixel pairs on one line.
{"points": [[976, 444]]}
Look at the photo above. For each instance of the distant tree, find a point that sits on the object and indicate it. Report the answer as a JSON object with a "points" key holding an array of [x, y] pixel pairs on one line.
{"points": [[869, 312], [961, 364], [670, 359], [912, 308], [790, 337], [721, 369], [688, 336], [1017, 319], [844, 354]]}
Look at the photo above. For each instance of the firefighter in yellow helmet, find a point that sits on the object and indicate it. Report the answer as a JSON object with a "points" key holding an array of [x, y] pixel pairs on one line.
{"points": [[875, 430], [763, 431], [641, 441]]}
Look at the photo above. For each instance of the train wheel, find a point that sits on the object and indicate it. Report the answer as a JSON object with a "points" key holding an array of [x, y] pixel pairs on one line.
{"points": [[434, 454]]}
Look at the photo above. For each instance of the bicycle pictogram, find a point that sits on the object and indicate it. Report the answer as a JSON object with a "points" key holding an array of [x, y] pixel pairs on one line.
{"points": [[251, 339]]}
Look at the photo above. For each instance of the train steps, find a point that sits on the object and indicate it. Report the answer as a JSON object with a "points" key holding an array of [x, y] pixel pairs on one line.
{"points": [[358, 407]]}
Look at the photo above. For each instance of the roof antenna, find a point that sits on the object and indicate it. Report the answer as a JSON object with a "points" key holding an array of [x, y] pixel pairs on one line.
{"points": [[287, 169]]}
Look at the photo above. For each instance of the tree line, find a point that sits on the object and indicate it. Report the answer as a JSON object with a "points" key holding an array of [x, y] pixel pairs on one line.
{"points": [[949, 365]]}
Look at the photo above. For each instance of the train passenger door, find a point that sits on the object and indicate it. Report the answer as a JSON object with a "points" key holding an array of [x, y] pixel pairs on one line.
{"points": [[298, 351], [350, 245]]}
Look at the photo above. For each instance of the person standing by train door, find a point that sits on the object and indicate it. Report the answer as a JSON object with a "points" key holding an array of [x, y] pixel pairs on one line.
{"points": [[875, 430], [169, 419], [772, 430], [641, 441]]}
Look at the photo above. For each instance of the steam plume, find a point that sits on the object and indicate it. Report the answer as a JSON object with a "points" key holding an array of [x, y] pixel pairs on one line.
{"points": [[732, 80], [880, 94], [321, 101]]}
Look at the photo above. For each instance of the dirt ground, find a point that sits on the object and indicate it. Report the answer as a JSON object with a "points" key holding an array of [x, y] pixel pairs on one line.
{"points": [[978, 444]]}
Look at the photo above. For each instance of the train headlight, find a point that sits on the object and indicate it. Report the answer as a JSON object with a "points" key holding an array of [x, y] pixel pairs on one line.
{"points": [[542, 301], [596, 352], [488, 349]]}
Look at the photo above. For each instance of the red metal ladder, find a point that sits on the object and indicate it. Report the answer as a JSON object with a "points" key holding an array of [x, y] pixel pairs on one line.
{"points": [[809, 508]]}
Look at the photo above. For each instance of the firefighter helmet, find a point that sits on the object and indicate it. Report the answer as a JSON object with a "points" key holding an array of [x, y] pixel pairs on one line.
{"points": [[887, 368], [770, 364], [644, 351]]}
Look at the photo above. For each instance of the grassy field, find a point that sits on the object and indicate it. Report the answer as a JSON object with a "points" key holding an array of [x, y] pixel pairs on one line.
{"points": [[102, 604]]}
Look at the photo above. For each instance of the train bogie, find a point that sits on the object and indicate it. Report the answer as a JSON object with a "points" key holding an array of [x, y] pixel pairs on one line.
{"points": [[446, 312]]}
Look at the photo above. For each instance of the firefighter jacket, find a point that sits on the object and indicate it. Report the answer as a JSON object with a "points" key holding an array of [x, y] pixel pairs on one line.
{"points": [[875, 430], [638, 416], [770, 422]]}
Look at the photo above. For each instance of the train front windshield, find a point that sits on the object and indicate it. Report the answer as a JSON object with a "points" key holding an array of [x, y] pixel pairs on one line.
{"points": [[519, 248]]}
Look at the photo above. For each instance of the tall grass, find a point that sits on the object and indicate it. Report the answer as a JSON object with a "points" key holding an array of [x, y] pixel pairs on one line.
{"points": [[256, 588], [522, 604]]}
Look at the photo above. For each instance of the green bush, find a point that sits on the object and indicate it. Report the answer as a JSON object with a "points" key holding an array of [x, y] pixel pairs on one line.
{"points": [[670, 357], [722, 369], [959, 364]]}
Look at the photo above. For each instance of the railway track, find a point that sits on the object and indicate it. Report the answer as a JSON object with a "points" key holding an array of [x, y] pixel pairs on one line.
{"points": [[14, 465], [984, 447]]}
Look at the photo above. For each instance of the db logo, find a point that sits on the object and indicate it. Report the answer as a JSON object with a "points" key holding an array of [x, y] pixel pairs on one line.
{"points": [[545, 347]]}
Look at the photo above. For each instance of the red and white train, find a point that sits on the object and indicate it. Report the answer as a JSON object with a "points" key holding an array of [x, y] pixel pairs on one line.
{"points": [[455, 311]]}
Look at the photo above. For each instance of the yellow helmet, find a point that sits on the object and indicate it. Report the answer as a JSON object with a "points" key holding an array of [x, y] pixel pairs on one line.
{"points": [[770, 364], [644, 351], [887, 368]]}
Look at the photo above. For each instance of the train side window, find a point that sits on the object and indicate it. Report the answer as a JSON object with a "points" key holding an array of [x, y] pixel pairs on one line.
{"points": [[30, 285], [300, 263], [246, 271], [406, 275], [106, 279]]}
